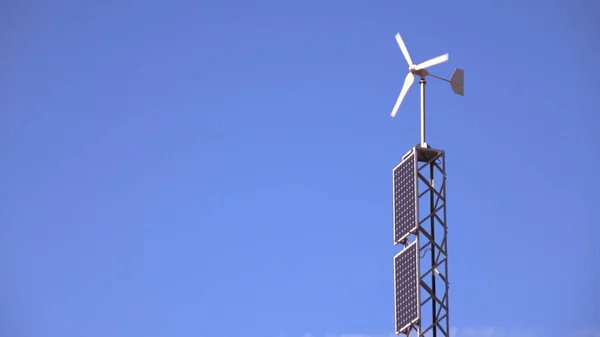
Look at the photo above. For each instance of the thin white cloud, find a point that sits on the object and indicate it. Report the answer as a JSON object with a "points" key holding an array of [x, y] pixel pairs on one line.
{"points": [[485, 331], [490, 331], [586, 333], [389, 334], [479, 332]]}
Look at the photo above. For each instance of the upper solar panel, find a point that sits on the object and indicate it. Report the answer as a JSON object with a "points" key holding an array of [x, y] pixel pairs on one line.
{"points": [[405, 198]]}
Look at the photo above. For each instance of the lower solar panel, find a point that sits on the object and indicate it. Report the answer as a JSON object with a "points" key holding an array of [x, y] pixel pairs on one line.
{"points": [[406, 282]]}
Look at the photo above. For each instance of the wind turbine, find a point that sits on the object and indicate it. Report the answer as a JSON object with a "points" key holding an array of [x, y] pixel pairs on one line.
{"points": [[456, 81]]}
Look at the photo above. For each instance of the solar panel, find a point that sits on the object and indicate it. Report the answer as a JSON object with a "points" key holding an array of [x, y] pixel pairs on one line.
{"points": [[406, 282], [405, 199]]}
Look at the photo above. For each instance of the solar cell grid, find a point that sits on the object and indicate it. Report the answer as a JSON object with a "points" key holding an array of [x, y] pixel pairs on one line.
{"points": [[405, 219], [407, 287]]}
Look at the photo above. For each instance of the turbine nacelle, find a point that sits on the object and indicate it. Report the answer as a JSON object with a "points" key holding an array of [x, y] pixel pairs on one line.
{"points": [[418, 72]]}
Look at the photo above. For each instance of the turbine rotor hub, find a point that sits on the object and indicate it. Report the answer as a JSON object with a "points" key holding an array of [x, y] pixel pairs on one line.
{"points": [[419, 72]]}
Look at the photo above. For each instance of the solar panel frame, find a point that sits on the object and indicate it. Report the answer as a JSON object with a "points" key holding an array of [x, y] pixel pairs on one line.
{"points": [[405, 198], [407, 301]]}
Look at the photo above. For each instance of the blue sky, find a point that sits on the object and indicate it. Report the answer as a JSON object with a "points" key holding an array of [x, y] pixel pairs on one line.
{"points": [[195, 168]]}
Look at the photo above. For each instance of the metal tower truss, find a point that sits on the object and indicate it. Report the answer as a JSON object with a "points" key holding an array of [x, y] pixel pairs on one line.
{"points": [[425, 200]]}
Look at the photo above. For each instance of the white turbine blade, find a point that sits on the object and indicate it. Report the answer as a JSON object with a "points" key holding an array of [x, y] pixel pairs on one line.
{"points": [[403, 49], [408, 81], [432, 62]]}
